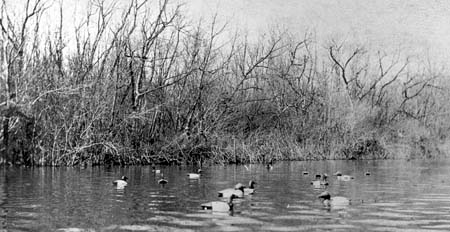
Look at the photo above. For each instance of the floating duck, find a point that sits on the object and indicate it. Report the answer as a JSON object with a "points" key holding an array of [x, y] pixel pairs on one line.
{"points": [[269, 165], [343, 177], [156, 171], [333, 202], [238, 191], [305, 173], [367, 173], [195, 175], [220, 206], [250, 189], [321, 181], [121, 183], [162, 180]]}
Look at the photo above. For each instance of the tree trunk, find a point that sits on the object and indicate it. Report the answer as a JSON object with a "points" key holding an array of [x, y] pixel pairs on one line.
{"points": [[4, 96]]}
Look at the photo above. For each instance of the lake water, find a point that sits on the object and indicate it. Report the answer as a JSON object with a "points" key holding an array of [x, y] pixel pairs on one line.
{"points": [[397, 196]]}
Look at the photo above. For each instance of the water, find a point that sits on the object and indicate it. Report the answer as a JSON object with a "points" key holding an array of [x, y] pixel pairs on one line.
{"points": [[397, 196]]}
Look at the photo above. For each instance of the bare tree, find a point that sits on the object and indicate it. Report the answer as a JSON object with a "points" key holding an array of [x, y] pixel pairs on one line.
{"points": [[14, 43]]}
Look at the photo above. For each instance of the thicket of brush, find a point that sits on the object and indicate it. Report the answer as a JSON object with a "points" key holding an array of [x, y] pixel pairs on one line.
{"points": [[152, 87]]}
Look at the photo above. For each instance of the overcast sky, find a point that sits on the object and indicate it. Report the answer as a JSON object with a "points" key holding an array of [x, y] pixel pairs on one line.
{"points": [[420, 26]]}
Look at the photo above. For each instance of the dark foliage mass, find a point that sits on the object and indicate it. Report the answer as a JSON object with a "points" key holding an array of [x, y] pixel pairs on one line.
{"points": [[153, 87]]}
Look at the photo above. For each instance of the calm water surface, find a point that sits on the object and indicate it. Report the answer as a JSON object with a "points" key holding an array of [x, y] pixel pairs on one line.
{"points": [[397, 196]]}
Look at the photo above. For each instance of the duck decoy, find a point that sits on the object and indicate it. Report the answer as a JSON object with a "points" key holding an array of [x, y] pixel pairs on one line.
{"points": [[269, 165], [367, 173], [195, 175], [156, 171], [343, 177], [320, 181], [316, 182], [250, 189], [333, 202], [121, 183], [238, 191], [162, 180], [305, 173], [220, 206]]}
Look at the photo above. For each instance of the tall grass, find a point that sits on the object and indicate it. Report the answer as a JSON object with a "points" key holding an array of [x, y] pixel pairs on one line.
{"points": [[155, 88]]}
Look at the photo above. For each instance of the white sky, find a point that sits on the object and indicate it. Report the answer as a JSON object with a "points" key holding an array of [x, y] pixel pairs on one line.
{"points": [[421, 26]]}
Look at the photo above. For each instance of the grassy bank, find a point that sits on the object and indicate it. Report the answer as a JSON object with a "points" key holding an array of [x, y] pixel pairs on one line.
{"points": [[156, 88]]}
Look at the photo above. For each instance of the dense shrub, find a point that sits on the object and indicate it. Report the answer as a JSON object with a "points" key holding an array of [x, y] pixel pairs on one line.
{"points": [[155, 88]]}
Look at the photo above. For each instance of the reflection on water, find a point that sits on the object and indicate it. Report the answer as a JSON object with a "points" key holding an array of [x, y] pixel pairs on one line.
{"points": [[397, 196]]}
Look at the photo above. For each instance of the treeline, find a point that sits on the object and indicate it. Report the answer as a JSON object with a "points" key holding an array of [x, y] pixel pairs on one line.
{"points": [[154, 87]]}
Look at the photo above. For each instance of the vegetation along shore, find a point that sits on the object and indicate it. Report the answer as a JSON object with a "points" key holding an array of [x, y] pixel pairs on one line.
{"points": [[154, 87]]}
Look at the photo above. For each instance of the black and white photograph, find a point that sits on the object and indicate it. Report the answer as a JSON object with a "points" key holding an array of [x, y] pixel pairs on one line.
{"points": [[224, 115]]}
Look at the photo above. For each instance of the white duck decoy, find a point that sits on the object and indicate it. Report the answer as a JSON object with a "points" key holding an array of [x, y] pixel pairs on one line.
{"points": [[156, 171], [320, 181], [343, 177], [250, 189], [333, 202], [220, 206], [162, 180], [238, 191], [195, 175], [121, 183]]}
